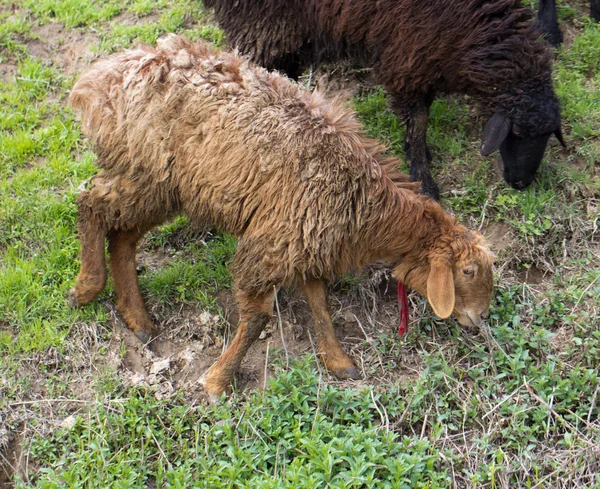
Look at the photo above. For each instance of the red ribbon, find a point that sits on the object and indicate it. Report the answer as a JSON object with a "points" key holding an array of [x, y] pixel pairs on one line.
{"points": [[402, 309]]}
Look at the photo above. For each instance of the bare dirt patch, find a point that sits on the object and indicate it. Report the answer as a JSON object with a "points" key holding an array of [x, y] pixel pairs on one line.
{"points": [[532, 275], [152, 260], [127, 18], [11, 8], [8, 70], [570, 32], [498, 235], [69, 50], [190, 340], [46, 388], [11, 459]]}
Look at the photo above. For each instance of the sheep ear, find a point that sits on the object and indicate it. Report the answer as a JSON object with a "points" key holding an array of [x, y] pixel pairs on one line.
{"points": [[440, 289], [494, 133]]}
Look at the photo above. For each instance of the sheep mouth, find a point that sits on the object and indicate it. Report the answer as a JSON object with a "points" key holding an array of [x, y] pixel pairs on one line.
{"points": [[522, 158], [467, 321]]}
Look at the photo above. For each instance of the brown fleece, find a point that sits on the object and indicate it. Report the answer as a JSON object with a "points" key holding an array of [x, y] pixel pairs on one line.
{"points": [[187, 129]]}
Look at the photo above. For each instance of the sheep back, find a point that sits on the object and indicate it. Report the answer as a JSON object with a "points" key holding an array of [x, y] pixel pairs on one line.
{"points": [[480, 47]]}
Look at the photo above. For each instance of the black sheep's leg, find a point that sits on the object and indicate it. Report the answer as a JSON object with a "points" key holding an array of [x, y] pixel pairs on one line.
{"points": [[595, 9], [407, 148], [289, 64], [547, 22], [415, 111]]}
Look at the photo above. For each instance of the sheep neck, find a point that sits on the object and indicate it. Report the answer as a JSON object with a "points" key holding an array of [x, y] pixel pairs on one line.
{"points": [[408, 227]]}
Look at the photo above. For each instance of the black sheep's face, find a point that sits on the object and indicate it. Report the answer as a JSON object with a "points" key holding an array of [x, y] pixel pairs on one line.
{"points": [[522, 150], [522, 157]]}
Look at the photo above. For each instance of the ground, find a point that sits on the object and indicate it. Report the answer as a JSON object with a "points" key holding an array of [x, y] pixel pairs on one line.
{"points": [[83, 404]]}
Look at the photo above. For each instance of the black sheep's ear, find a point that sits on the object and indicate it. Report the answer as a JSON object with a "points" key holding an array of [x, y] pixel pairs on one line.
{"points": [[559, 136], [494, 133]]}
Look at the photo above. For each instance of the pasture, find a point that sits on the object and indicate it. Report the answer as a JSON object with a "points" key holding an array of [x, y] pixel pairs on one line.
{"points": [[82, 404]]}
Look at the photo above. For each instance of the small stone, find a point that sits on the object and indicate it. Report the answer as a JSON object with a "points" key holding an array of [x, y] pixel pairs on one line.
{"points": [[69, 422], [137, 379], [159, 366], [186, 355], [205, 318], [349, 317]]}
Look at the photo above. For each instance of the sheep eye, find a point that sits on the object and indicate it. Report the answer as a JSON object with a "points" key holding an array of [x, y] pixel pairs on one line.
{"points": [[469, 271]]}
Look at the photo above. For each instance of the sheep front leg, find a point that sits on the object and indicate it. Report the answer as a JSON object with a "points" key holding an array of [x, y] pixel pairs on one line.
{"points": [[328, 347], [415, 111], [130, 304], [255, 313], [92, 276], [547, 22]]}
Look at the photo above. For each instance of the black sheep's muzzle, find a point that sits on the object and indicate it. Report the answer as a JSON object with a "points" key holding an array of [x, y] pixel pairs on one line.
{"points": [[522, 158]]}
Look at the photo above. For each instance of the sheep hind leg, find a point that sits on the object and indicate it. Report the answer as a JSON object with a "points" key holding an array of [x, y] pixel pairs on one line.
{"points": [[547, 22], [329, 350], [92, 276], [595, 10], [130, 304], [255, 313], [415, 111], [289, 64]]}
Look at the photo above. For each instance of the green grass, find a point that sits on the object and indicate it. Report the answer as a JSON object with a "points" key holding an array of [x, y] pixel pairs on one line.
{"points": [[195, 279], [301, 433], [516, 406], [43, 162]]}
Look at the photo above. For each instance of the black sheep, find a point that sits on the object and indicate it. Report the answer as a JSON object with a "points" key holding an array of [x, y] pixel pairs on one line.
{"points": [[488, 49], [547, 19]]}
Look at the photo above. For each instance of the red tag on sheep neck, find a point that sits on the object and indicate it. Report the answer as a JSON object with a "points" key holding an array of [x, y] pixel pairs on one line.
{"points": [[402, 309]]}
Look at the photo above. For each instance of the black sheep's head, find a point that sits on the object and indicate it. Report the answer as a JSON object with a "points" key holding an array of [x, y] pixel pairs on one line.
{"points": [[523, 123]]}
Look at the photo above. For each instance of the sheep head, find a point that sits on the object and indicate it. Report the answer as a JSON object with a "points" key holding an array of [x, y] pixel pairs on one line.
{"points": [[521, 127], [455, 276]]}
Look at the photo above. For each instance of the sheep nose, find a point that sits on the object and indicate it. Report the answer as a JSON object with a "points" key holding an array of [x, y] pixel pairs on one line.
{"points": [[475, 318], [484, 316], [520, 185]]}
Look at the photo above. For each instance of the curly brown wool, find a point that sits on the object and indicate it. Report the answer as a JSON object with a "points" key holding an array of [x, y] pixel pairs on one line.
{"points": [[183, 128]]}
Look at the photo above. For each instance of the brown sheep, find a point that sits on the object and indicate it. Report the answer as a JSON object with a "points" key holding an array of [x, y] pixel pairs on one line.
{"points": [[186, 129]]}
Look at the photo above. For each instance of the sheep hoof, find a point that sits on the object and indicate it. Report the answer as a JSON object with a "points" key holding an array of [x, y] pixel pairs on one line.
{"points": [[83, 294], [211, 397], [72, 299], [348, 374], [143, 335]]}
